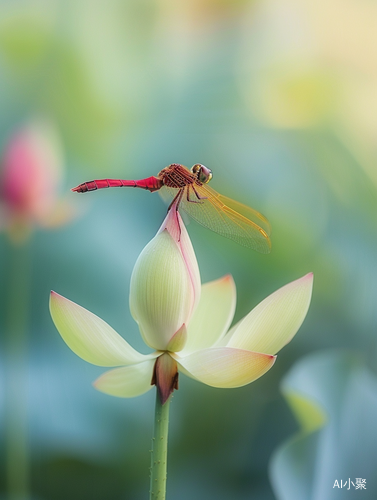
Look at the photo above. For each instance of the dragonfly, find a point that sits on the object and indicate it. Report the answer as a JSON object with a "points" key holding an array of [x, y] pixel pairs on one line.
{"points": [[188, 189]]}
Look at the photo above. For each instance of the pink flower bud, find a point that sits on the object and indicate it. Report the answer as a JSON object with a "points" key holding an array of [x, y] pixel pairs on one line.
{"points": [[31, 172]]}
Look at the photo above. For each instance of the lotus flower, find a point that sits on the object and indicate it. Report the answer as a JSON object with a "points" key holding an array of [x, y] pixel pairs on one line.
{"points": [[185, 323]]}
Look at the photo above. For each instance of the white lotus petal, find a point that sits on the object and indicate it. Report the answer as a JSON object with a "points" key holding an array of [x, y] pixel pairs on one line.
{"points": [[223, 341], [127, 381], [225, 367], [90, 337], [273, 322], [213, 315]]}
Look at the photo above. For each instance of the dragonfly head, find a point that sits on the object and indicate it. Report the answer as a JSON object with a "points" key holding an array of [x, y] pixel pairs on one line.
{"points": [[202, 173]]}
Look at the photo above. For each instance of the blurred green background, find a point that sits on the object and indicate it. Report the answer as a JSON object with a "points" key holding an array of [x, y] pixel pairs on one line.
{"points": [[279, 99]]}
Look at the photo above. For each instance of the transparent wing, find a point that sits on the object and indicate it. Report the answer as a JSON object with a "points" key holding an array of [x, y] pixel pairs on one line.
{"points": [[224, 216]]}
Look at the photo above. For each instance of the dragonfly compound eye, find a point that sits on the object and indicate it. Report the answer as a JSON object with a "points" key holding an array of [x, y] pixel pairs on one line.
{"points": [[203, 173]]}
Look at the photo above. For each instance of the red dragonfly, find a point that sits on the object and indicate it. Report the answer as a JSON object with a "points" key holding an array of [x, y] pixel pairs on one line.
{"points": [[189, 190]]}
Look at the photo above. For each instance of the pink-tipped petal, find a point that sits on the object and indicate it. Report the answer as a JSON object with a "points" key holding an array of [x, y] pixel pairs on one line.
{"points": [[90, 337], [273, 322], [213, 315], [174, 225], [225, 367], [128, 381]]}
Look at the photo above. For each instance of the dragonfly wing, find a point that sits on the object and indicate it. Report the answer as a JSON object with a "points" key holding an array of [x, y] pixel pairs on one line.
{"points": [[167, 194], [247, 212], [224, 216], [229, 218]]}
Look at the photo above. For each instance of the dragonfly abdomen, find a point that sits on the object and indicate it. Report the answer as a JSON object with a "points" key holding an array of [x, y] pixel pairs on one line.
{"points": [[151, 184]]}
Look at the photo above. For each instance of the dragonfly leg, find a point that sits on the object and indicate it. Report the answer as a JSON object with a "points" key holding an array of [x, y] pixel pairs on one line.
{"points": [[178, 195], [197, 195]]}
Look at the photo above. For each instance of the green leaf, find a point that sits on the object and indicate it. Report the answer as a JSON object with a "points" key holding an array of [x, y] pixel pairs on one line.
{"points": [[334, 398]]}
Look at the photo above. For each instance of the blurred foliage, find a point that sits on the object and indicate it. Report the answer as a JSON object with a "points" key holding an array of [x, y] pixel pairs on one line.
{"points": [[278, 98], [335, 400]]}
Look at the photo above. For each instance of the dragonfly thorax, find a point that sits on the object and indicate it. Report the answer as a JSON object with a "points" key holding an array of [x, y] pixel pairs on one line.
{"points": [[178, 176], [203, 173]]}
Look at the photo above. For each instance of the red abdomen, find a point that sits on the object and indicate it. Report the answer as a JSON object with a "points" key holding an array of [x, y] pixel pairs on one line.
{"points": [[151, 184]]}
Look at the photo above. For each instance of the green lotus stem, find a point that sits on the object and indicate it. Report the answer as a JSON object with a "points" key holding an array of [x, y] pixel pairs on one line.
{"points": [[159, 450], [17, 452]]}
